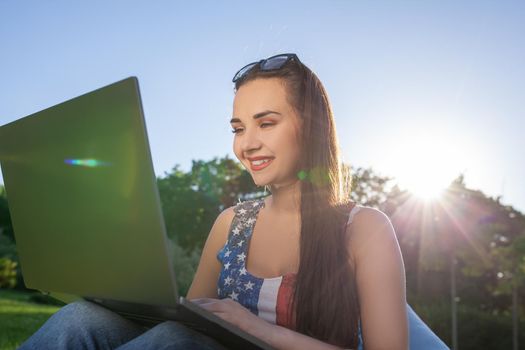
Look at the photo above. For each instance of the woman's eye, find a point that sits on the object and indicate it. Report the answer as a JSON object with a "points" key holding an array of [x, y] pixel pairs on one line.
{"points": [[262, 125]]}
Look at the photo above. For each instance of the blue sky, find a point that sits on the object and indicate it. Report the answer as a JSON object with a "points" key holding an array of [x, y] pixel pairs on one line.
{"points": [[415, 85]]}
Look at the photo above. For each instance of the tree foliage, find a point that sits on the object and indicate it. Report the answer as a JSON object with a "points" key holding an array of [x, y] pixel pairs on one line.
{"points": [[7, 273]]}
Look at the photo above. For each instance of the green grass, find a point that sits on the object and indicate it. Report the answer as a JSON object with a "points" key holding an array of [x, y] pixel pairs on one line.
{"points": [[19, 317]]}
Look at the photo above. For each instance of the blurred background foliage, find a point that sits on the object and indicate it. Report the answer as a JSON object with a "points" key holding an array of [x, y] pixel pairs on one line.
{"points": [[464, 253]]}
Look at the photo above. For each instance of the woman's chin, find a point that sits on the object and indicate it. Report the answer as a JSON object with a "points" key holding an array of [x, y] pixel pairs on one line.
{"points": [[261, 183], [275, 184]]}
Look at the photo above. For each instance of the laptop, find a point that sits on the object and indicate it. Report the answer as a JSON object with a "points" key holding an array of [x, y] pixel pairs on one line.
{"points": [[86, 212]]}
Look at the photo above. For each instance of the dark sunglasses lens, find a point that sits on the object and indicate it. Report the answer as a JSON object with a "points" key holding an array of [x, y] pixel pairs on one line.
{"points": [[274, 63], [243, 71]]}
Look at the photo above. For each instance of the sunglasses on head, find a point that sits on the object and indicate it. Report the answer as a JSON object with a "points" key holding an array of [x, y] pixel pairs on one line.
{"points": [[272, 63]]}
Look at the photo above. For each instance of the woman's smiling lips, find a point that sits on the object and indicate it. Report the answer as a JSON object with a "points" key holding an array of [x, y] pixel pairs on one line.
{"points": [[259, 163]]}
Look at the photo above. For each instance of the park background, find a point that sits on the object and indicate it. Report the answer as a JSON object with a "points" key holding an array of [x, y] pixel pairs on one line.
{"points": [[427, 98]]}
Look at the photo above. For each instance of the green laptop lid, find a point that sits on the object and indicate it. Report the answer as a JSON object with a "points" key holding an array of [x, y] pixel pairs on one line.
{"points": [[83, 199]]}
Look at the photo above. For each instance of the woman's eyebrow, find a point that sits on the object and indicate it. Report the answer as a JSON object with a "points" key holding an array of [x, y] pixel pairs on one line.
{"points": [[256, 116]]}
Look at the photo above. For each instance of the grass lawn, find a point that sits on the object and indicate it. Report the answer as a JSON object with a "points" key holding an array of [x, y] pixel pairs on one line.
{"points": [[19, 317]]}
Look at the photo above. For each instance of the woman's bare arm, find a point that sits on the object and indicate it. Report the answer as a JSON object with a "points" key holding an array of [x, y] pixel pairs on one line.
{"points": [[204, 283], [286, 339], [380, 277]]}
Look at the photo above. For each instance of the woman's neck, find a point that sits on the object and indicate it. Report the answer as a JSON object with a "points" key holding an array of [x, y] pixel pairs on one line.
{"points": [[285, 199]]}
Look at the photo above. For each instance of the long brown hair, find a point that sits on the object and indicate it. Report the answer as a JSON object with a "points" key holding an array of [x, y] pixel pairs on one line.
{"points": [[324, 304]]}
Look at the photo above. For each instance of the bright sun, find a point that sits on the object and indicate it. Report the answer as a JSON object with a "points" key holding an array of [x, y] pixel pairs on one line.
{"points": [[425, 162]]}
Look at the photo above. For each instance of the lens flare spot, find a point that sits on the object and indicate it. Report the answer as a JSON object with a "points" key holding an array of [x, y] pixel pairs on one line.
{"points": [[302, 175], [90, 163], [318, 176]]}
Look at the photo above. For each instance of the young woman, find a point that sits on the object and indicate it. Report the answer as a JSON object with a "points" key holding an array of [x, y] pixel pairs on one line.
{"points": [[303, 268], [304, 258]]}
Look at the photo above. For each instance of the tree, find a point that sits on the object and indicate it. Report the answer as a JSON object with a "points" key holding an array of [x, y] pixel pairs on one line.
{"points": [[457, 238], [368, 188], [503, 237]]}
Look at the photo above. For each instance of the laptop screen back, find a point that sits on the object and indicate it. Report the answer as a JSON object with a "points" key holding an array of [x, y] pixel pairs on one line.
{"points": [[83, 199]]}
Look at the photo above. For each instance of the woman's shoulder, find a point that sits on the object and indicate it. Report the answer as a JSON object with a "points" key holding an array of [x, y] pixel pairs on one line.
{"points": [[365, 215], [368, 226], [226, 215]]}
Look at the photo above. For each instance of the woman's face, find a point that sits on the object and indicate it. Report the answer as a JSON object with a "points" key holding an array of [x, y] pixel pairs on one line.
{"points": [[266, 130]]}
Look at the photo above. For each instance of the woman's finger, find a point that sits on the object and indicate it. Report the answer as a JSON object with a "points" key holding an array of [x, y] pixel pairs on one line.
{"points": [[200, 301], [215, 306]]}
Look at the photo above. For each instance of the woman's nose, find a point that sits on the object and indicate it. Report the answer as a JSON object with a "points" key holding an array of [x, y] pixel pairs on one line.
{"points": [[250, 140]]}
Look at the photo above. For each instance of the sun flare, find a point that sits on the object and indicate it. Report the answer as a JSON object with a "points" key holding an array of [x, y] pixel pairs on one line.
{"points": [[426, 161], [427, 191]]}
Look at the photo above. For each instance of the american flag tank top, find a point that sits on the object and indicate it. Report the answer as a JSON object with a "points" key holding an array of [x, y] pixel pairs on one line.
{"points": [[268, 298]]}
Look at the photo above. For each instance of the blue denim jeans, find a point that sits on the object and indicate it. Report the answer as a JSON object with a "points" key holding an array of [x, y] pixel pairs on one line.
{"points": [[84, 325]]}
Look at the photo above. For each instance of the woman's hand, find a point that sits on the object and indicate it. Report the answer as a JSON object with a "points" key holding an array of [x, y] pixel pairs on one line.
{"points": [[276, 336], [235, 313]]}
